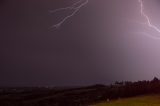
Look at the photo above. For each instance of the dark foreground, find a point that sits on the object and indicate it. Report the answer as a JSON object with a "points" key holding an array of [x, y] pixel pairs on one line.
{"points": [[77, 96], [51, 96]]}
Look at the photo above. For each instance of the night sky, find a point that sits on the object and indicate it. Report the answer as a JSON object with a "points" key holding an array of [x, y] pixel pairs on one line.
{"points": [[105, 41]]}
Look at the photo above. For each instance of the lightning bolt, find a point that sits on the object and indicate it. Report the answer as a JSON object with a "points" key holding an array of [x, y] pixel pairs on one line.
{"points": [[148, 22], [79, 4], [73, 7]]}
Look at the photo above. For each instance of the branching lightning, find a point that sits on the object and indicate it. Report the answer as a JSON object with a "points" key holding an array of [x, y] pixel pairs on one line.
{"points": [[79, 4], [73, 7], [148, 22]]}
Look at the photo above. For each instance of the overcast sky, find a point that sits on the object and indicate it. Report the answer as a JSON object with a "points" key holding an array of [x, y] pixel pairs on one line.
{"points": [[105, 41]]}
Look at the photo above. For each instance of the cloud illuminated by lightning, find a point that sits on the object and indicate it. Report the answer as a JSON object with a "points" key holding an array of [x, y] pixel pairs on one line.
{"points": [[148, 22], [73, 7]]}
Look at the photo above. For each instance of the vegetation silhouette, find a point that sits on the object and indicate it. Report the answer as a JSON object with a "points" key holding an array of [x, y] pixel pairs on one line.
{"points": [[78, 96]]}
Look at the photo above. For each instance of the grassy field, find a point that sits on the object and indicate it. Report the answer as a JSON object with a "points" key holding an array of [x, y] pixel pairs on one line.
{"points": [[152, 100]]}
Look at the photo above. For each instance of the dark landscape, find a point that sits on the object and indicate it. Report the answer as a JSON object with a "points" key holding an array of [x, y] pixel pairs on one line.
{"points": [[76, 96]]}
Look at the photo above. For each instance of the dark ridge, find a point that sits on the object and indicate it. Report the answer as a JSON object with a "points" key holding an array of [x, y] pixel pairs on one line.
{"points": [[79, 96]]}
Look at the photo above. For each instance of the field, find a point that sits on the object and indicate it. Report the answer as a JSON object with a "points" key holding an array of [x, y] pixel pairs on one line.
{"points": [[72, 96], [152, 100], [56, 96]]}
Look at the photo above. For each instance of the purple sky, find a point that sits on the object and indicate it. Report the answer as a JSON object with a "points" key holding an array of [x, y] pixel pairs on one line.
{"points": [[106, 41]]}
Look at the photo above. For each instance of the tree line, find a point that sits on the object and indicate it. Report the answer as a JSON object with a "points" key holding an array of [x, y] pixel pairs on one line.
{"points": [[129, 89]]}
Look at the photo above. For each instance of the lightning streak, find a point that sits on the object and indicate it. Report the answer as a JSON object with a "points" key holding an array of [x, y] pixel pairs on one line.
{"points": [[79, 4], [73, 7], [148, 22]]}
